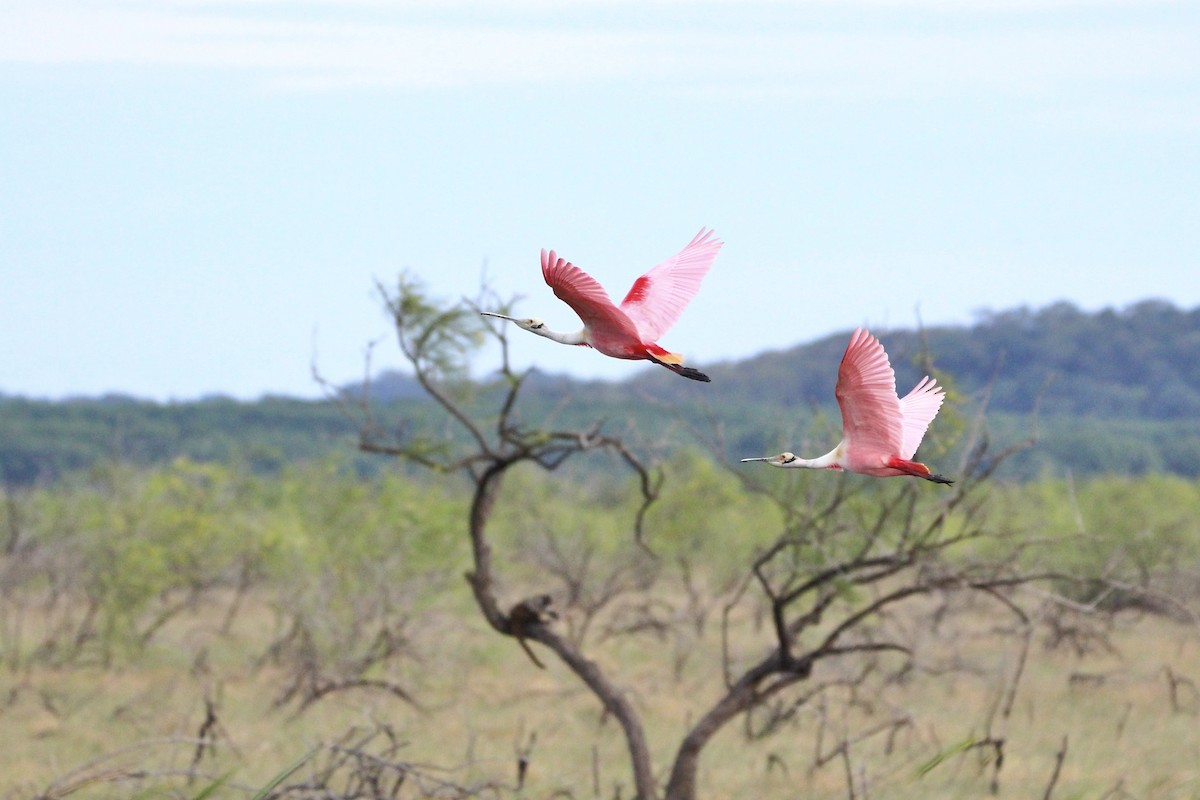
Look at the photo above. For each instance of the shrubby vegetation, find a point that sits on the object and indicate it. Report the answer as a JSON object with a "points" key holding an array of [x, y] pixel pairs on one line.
{"points": [[1141, 536], [354, 580], [104, 558], [124, 547]]}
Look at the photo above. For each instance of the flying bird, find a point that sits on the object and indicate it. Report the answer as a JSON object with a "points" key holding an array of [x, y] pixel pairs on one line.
{"points": [[880, 431], [632, 329]]}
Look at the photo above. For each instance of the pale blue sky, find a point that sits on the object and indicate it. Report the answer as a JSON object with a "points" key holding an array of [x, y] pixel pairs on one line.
{"points": [[196, 195]]}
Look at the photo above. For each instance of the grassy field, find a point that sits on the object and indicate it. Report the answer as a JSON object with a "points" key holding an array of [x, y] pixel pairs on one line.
{"points": [[1127, 713], [111, 687]]}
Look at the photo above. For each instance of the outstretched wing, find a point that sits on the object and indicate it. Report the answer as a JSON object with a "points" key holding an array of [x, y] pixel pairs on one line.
{"points": [[917, 410], [587, 298], [658, 298], [866, 392]]}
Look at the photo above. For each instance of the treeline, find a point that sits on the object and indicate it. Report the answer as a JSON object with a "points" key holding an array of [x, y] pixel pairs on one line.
{"points": [[42, 440], [1139, 363], [1113, 391]]}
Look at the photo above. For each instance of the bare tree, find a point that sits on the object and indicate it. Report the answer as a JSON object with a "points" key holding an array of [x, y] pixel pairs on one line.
{"points": [[831, 582], [831, 592], [484, 446]]}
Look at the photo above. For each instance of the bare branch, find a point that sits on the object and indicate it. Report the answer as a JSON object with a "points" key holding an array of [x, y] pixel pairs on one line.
{"points": [[1059, 757]]}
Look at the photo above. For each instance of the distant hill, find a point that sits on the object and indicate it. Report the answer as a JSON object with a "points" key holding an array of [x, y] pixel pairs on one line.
{"points": [[1117, 390], [1142, 362], [41, 440]]}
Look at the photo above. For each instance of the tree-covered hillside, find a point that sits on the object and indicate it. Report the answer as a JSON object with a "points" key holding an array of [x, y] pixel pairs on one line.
{"points": [[1117, 390], [1142, 362], [1114, 391], [40, 440]]}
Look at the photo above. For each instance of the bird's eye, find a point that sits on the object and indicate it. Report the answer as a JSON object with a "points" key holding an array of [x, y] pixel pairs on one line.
{"points": [[788, 460], [536, 325]]}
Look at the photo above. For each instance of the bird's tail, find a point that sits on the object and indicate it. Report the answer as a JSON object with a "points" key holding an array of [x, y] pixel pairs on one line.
{"points": [[918, 470], [688, 372], [679, 369], [662, 355], [674, 362]]}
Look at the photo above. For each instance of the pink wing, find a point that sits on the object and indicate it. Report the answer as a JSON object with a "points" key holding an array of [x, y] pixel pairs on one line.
{"points": [[866, 392], [604, 321], [658, 298], [917, 409]]}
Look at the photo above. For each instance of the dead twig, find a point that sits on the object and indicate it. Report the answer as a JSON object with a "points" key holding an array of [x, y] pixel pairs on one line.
{"points": [[1059, 757]]}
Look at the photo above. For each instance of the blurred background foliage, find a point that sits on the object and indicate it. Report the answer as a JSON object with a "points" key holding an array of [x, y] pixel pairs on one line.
{"points": [[1113, 391], [108, 555]]}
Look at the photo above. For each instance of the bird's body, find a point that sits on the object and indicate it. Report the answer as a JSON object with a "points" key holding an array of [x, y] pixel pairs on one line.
{"points": [[632, 329], [880, 431]]}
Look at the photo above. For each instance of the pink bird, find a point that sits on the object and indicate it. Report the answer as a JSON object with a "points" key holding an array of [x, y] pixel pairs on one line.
{"points": [[631, 330], [880, 431]]}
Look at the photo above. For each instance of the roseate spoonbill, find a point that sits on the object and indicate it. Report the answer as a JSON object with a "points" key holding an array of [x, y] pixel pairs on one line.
{"points": [[880, 431], [631, 330]]}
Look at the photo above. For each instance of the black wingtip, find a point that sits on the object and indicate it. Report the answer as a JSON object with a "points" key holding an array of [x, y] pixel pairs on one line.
{"points": [[941, 479]]}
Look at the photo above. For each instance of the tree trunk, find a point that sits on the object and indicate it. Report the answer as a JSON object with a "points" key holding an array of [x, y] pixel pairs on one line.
{"points": [[615, 703], [741, 695], [682, 783], [487, 487]]}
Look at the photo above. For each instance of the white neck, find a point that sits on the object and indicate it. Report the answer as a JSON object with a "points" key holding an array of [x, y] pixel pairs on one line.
{"points": [[827, 461], [578, 337]]}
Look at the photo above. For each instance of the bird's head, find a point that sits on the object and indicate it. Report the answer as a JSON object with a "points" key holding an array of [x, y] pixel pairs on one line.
{"points": [[781, 460], [527, 323]]}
